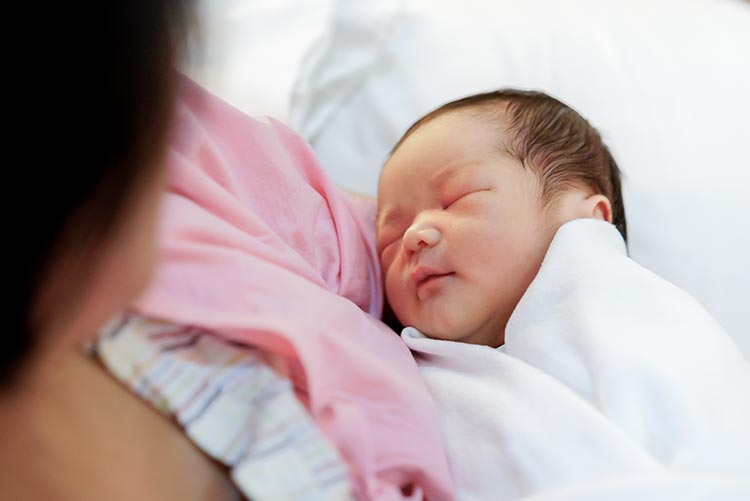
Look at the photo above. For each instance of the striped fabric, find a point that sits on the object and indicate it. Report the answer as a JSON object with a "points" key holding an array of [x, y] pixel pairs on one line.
{"points": [[231, 404]]}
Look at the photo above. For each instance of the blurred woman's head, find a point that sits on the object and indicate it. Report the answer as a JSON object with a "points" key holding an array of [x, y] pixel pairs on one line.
{"points": [[84, 236]]}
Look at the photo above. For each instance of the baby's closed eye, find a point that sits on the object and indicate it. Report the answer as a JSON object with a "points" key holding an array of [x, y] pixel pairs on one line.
{"points": [[461, 197]]}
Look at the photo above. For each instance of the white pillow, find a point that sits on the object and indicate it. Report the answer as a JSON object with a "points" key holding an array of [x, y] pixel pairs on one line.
{"points": [[667, 83], [247, 51]]}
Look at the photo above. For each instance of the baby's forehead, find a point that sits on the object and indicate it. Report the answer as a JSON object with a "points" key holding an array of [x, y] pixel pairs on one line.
{"points": [[452, 145], [453, 134]]}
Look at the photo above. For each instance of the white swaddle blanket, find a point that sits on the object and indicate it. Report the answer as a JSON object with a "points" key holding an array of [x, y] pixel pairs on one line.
{"points": [[612, 384]]}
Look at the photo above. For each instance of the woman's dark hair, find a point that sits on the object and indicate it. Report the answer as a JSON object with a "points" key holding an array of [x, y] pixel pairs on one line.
{"points": [[93, 115]]}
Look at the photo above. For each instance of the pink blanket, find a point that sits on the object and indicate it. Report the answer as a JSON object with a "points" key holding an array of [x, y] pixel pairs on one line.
{"points": [[260, 247]]}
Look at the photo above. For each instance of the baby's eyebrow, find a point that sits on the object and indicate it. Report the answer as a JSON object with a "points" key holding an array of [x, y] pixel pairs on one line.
{"points": [[449, 172], [442, 176]]}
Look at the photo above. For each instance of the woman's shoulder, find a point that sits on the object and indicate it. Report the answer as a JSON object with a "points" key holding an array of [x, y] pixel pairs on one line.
{"points": [[85, 436]]}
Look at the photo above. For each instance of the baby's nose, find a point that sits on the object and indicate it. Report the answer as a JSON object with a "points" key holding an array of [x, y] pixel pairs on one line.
{"points": [[419, 236]]}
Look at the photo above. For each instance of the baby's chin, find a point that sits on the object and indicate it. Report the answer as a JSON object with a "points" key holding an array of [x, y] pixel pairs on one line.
{"points": [[450, 321], [442, 332], [431, 320], [489, 333]]}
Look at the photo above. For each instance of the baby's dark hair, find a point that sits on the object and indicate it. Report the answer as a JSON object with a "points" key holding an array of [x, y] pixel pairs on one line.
{"points": [[548, 137]]}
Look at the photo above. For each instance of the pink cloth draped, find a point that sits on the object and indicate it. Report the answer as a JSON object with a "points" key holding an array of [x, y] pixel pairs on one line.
{"points": [[258, 246]]}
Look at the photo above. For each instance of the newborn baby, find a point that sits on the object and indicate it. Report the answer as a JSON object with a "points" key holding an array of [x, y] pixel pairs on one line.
{"points": [[562, 368], [470, 200]]}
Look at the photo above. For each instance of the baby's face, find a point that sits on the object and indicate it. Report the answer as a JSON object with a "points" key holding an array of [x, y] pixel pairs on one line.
{"points": [[461, 231]]}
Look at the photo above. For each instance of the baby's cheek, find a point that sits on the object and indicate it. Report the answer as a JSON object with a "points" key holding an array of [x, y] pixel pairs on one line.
{"points": [[391, 290], [387, 256], [396, 296]]}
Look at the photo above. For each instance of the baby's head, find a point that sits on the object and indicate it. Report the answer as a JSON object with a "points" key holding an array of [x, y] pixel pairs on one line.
{"points": [[470, 200]]}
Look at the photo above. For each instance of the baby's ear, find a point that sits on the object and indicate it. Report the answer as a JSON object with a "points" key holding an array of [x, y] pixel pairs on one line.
{"points": [[597, 207], [578, 204]]}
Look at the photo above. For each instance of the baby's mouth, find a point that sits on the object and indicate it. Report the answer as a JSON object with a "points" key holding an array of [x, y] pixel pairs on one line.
{"points": [[425, 279], [430, 278]]}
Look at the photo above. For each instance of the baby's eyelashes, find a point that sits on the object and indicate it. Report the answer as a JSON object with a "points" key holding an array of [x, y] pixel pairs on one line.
{"points": [[455, 200], [451, 201]]}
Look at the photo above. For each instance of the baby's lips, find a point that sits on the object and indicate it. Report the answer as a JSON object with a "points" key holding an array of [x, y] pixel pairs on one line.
{"points": [[420, 273]]}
